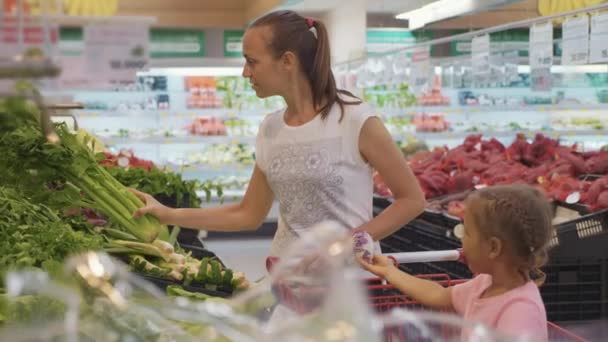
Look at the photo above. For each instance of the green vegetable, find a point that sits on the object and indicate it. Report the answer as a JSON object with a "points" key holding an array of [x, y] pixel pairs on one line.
{"points": [[134, 247], [178, 291], [161, 184], [227, 279], [31, 234], [215, 275], [139, 264], [26, 152], [201, 277]]}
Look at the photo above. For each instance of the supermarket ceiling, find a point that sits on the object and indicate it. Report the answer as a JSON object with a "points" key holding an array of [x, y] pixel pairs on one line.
{"points": [[238, 13], [198, 13]]}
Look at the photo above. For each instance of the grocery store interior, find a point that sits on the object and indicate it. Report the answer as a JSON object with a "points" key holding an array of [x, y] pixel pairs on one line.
{"points": [[100, 96]]}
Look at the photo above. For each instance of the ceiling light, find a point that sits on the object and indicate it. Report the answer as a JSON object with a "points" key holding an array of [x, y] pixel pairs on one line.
{"points": [[444, 9]]}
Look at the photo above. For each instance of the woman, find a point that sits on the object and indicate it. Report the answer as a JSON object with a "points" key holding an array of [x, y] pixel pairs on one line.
{"points": [[316, 156]]}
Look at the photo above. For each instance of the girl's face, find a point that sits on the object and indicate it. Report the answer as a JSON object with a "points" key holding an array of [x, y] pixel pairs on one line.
{"points": [[475, 245], [264, 71]]}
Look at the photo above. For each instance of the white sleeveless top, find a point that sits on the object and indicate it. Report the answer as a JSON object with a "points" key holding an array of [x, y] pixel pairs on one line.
{"points": [[316, 171]]}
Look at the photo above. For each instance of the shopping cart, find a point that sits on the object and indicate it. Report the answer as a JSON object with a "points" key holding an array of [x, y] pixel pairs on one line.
{"points": [[385, 297]]}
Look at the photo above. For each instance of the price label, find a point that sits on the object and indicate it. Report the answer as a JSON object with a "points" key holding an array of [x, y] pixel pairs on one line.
{"points": [[575, 45], [541, 46], [480, 59], [598, 42], [420, 70]]}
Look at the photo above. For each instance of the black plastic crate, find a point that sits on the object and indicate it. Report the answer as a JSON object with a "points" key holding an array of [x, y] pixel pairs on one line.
{"points": [[576, 290], [585, 237]]}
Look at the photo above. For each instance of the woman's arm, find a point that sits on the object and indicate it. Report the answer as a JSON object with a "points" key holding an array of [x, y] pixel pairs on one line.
{"points": [[379, 149], [249, 214]]}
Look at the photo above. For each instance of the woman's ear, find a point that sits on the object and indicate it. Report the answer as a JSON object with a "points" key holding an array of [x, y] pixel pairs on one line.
{"points": [[496, 247], [289, 60]]}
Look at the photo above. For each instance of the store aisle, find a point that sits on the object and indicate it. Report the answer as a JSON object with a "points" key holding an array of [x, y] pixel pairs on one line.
{"points": [[245, 255]]}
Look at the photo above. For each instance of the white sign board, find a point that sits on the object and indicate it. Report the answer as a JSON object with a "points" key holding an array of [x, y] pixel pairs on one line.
{"points": [[575, 41], [541, 46], [420, 70], [115, 52], [480, 59], [599, 38]]}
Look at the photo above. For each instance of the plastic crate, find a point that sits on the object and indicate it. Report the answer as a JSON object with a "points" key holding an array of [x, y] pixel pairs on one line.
{"points": [[585, 237], [576, 290]]}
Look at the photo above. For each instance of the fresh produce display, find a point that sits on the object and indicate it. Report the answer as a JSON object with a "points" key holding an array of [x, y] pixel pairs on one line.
{"points": [[545, 163], [125, 158], [221, 154], [389, 97], [31, 234], [207, 126], [160, 184], [69, 176], [434, 97], [430, 123]]}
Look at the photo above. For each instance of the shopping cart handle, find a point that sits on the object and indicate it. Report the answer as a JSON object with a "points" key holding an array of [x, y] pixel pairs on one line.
{"points": [[430, 256]]}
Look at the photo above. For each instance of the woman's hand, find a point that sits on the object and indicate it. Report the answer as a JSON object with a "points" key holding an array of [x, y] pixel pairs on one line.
{"points": [[380, 266], [151, 206]]}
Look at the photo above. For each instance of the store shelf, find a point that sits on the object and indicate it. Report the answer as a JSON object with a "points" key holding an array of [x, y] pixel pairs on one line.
{"points": [[492, 109], [167, 113], [210, 167], [503, 134], [217, 139]]}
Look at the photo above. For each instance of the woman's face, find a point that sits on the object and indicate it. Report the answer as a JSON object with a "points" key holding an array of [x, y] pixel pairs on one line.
{"points": [[265, 72]]}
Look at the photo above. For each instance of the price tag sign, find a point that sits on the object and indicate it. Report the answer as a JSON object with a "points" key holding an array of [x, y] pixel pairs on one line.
{"points": [[420, 70], [115, 52], [598, 42], [575, 45], [541, 46], [480, 59]]}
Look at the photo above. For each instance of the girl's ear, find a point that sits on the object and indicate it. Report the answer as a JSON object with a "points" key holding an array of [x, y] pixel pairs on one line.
{"points": [[496, 247]]}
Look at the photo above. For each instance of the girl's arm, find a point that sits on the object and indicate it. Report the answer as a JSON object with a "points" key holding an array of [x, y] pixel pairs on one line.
{"points": [[425, 292], [249, 214], [378, 148]]}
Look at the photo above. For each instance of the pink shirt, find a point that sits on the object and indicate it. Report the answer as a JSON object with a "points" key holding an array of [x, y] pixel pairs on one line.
{"points": [[518, 312]]}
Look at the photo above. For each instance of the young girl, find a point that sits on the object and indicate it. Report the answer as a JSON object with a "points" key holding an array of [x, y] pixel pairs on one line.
{"points": [[505, 235]]}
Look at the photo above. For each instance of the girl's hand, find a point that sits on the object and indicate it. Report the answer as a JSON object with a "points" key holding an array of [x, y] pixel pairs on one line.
{"points": [[380, 266], [151, 206]]}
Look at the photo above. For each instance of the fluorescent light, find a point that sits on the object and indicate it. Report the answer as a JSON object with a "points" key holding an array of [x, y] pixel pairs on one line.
{"points": [[194, 71], [436, 11], [443, 9]]}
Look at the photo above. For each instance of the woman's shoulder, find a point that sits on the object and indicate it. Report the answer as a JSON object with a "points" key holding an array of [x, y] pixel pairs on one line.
{"points": [[271, 124]]}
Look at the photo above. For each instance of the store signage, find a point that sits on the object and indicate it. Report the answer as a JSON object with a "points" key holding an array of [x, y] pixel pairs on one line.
{"points": [[599, 38], [420, 71], [379, 41], [541, 46], [113, 53], [480, 59], [33, 38], [575, 41], [233, 43], [177, 43], [164, 43]]}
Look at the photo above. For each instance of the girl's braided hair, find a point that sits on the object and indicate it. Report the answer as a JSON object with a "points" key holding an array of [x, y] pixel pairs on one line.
{"points": [[521, 217]]}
